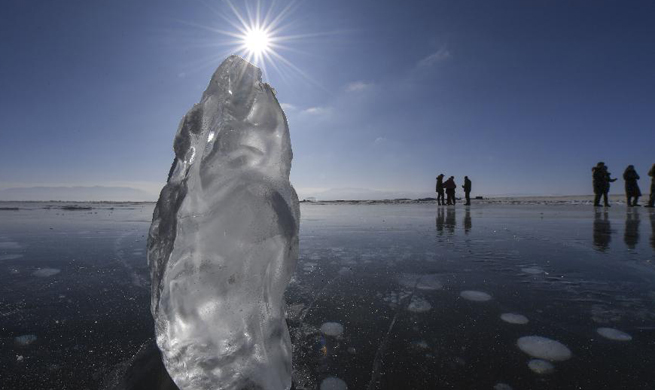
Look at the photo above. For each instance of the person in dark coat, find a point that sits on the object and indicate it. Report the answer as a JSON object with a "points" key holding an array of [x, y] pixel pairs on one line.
{"points": [[631, 187], [450, 187], [599, 179], [440, 191], [467, 190], [651, 200]]}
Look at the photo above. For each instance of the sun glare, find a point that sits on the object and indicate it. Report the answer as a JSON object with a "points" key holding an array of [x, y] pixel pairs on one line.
{"points": [[257, 41], [258, 34]]}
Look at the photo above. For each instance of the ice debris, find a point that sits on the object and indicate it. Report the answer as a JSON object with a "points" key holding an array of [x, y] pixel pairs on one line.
{"points": [[223, 243], [544, 348]]}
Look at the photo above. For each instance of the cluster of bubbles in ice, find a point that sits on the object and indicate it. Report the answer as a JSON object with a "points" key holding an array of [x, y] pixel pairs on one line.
{"points": [[223, 243]]}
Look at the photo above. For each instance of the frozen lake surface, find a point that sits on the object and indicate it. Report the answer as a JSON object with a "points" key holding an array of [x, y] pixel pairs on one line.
{"points": [[406, 296]]}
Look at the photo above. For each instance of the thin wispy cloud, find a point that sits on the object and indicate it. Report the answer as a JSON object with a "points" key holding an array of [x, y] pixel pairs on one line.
{"points": [[288, 107], [317, 110], [439, 56], [358, 86]]}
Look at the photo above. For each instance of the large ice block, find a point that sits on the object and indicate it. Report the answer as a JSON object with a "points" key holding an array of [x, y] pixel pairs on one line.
{"points": [[224, 239]]}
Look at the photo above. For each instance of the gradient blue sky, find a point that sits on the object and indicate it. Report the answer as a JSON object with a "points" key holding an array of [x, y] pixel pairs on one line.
{"points": [[522, 96]]}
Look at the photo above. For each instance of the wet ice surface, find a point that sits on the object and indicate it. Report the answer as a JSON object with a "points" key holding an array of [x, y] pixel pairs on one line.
{"points": [[361, 267]]}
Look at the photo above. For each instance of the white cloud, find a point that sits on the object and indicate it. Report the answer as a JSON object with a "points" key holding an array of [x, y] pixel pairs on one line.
{"points": [[434, 58], [288, 107], [379, 140], [358, 86], [317, 110]]}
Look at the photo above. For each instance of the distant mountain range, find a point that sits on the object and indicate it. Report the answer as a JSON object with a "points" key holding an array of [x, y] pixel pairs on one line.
{"points": [[364, 194], [76, 194]]}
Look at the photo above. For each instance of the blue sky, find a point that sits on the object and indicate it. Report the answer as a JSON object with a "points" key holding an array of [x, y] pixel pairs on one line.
{"points": [[523, 97]]}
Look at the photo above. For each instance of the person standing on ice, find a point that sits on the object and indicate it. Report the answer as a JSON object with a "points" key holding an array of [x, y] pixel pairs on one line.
{"points": [[601, 180], [651, 200], [467, 190], [631, 187], [450, 187], [598, 175], [440, 198]]}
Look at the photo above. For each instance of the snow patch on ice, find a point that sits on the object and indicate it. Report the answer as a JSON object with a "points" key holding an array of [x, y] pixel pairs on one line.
{"points": [[333, 329], [533, 270], [476, 296], [419, 305], [544, 348], [614, 334], [11, 257], [9, 245], [25, 340], [45, 272], [541, 367], [513, 318]]}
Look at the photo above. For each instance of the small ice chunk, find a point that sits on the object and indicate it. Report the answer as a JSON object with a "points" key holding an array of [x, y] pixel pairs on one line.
{"points": [[544, 348], [419, 305], [11, 257], [541, 367], [476, 296], [333, 383], [45, 272], [614, 334], [25, 340], [502, 386], [513, 318], [333, 329]]}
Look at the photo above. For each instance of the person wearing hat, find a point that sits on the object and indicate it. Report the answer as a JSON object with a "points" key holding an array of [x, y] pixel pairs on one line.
{"points": [[450, 187], [467, 190]]}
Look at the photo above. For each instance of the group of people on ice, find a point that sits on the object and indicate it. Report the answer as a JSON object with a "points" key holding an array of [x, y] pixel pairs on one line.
{"points": [[449, 188], [602, 179]]}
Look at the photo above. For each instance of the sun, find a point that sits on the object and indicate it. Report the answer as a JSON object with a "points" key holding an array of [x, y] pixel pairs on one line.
{"points": [[257, 41]]}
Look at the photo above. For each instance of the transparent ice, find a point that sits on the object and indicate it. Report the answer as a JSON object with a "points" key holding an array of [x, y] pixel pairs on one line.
{"points": [[223, 243]]}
